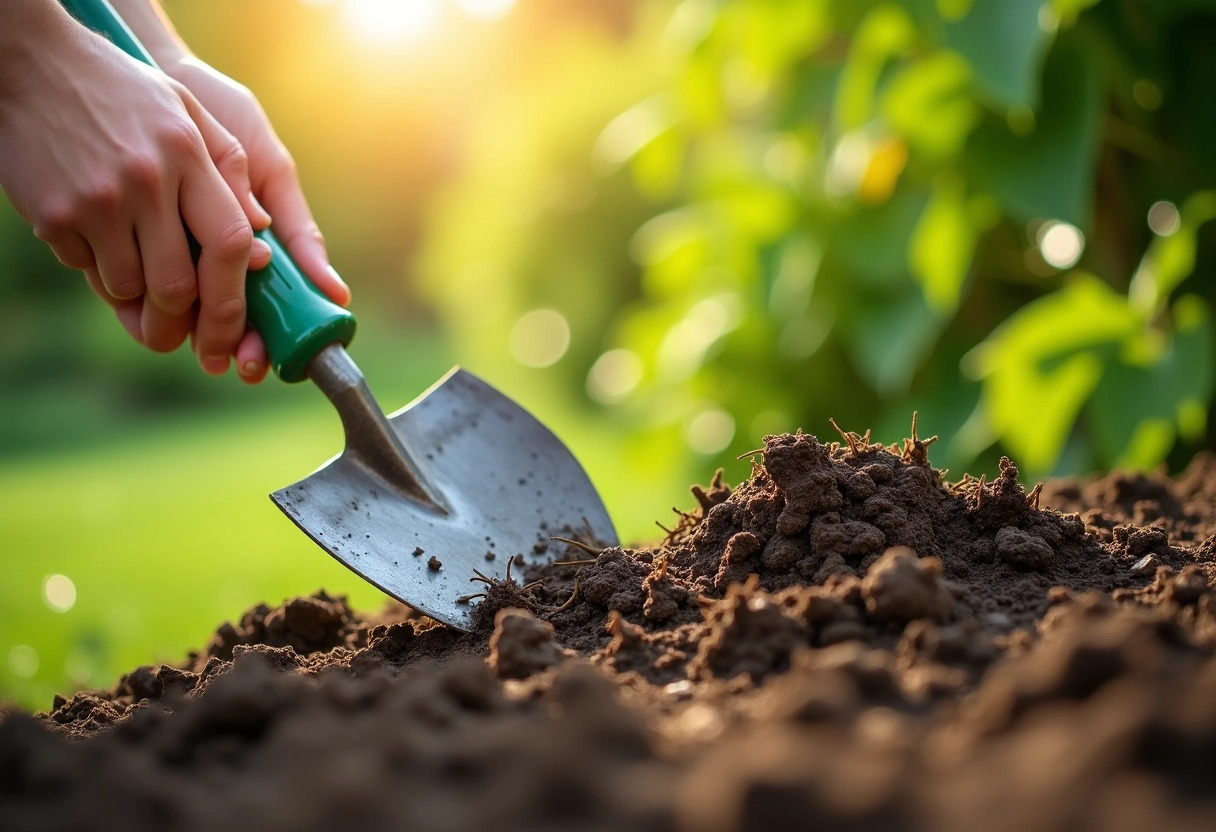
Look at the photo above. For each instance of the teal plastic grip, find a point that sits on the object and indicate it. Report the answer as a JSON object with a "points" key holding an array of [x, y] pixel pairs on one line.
{"points": [[294, 318], [100, 16]]}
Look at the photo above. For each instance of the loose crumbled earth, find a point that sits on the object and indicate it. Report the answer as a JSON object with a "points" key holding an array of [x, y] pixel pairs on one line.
{"points": [[846, 640]]}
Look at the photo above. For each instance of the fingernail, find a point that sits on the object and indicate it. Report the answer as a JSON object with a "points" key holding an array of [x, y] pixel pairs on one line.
{"points": [[215, 365], [250, 368], [260, 248], [130, 315]]}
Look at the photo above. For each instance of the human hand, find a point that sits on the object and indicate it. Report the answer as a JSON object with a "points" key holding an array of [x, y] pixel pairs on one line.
{"points": [[106, 158], [275, 184]]}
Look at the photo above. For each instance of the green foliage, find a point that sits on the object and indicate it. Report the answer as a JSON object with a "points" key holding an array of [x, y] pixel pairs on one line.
{"points": [[857, 209]]}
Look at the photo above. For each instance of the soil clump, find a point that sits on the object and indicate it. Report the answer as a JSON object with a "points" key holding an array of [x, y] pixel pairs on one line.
{"points": [[844, 640]]}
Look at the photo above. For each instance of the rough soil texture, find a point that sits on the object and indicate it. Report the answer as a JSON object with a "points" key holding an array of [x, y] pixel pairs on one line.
{"points": [[844, 641]]}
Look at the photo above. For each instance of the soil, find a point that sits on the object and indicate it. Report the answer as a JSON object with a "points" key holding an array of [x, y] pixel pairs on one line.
{"points": [[845, 640]]}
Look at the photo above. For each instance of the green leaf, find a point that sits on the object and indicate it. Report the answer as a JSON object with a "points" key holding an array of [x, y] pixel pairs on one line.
{"points": [[929, 103], [1005, 44], [1048, 174], [873, 243], [942, 246], [890, 335], [953, 9], [657, 166], [1067, 10], [632, 130], [885, 32], [673, 247], [1171, 259], [1043, 363], [1138, 410], [772, 34]]}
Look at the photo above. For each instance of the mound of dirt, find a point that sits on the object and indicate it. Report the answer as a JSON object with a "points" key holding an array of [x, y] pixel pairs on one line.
{"points": [[844, 640]]}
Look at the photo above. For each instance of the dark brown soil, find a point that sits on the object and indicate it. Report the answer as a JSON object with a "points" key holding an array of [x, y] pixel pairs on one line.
{"points": [[843, 641]]}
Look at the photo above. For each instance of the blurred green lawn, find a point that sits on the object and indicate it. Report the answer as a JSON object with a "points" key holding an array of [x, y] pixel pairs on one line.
{"points": [[160, 534]]}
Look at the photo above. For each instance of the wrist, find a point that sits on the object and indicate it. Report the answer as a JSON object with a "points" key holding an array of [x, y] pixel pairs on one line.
{"points": [[33, 33]]}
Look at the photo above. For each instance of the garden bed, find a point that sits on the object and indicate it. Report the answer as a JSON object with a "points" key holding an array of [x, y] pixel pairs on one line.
{"points": [[844, 640]]}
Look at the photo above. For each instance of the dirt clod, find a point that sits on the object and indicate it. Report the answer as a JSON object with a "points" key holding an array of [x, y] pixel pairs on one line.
{"points": [[902, 587], [1021, 548], [521, 645]]}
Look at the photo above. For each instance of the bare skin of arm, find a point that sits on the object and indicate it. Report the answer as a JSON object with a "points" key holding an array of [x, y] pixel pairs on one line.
{"points": [[107, 158]]}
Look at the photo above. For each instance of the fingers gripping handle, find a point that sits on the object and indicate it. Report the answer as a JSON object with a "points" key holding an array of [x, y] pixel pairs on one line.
{"points": [[294, 318]]}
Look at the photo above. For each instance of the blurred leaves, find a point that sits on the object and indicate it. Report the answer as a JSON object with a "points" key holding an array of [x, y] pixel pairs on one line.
{"points": [[836, 200], [1041, 164], [1044, 363], [930, 104], [1004, 43]]}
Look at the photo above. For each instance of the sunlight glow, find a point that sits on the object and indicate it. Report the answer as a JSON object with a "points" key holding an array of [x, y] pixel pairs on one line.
{"points": [[486, 10], [391, 21]]}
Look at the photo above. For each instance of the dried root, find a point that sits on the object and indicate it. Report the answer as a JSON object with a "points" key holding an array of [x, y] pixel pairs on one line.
{"points": [[569, 601], [492, 582], [858, 443], [916, 450], [1032, 499], [578, 544]]}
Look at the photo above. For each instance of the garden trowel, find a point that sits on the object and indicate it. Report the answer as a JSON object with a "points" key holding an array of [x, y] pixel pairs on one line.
{"points": [[460, 481]]}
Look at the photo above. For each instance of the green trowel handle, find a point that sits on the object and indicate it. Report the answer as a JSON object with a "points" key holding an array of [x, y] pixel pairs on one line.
{"points": [[294, 317]]}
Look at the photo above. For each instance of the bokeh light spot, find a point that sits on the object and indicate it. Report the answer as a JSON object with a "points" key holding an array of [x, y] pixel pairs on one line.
{"points": [[684, 346], [1147, 94], [614, 375], [1061, 244], [1021, 120], [23, 661], [786, 159], [1048, 20], [59, 592], [710, 431], [540, 338], [848, 164], [1163, 218], [632, 130], [767, 423]]}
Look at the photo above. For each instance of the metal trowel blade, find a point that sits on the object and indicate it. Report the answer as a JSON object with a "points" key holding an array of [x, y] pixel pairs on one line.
{"points": [[506, 483]]}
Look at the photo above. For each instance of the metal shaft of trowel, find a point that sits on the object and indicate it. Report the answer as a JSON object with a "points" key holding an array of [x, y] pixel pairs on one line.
{"points": [[370, 440]]}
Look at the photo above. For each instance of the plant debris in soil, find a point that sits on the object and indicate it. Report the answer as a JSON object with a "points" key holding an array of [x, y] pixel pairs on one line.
{"points": [[845, 640]]}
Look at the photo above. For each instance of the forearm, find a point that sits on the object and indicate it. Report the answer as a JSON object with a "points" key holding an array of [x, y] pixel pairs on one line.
{"points": [[30, 30], [150, 24]]}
